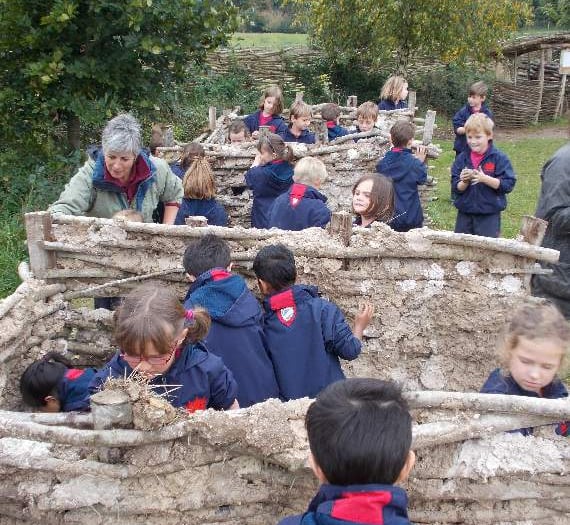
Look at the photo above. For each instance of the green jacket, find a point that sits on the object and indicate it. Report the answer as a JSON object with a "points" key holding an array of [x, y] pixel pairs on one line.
{"points": [[87, 193]]}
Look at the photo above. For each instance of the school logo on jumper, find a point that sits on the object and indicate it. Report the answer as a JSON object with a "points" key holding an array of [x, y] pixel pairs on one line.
{"points": [[198, 403], [287, 315], [489, 167]]}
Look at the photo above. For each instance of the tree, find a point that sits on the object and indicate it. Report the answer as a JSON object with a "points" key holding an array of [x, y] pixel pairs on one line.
{"points": [[372, 30], [85, 59], [555, 12]]}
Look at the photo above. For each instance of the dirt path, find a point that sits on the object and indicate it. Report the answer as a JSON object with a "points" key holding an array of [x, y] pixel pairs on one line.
{"points": [[560, 131]]}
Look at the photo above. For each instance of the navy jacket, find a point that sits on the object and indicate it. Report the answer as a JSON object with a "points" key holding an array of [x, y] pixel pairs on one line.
{"points": [[406, 171], [336, 131], [480, 198], [267, 182], [209, 208], [355, 504], [306, 136], [389, 105], [177, 169], [236, 334], [276, 124], [306, 335], [73, 389], [497, 383], [301, 207], [201, 377], [459, 120]]}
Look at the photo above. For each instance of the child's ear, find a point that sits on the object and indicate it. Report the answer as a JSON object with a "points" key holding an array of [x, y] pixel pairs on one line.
{"points": [[52, 405], [316, 469], [407, 468], [189, 277], [263, 286]]}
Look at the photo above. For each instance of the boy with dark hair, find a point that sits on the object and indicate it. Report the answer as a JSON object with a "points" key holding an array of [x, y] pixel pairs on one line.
{"points": [[360, 437], [236, 333], [331, 115], [305, 334], [407, 171]]}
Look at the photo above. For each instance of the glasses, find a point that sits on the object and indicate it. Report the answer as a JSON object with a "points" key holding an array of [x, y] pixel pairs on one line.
{"points": [[134, 361]]}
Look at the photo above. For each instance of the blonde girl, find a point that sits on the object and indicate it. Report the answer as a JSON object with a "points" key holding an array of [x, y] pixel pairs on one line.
{"points": [[394, 94], [161, 341]]}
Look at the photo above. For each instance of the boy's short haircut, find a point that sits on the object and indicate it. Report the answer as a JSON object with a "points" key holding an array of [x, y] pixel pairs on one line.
{"points": [[300, 109], [330, 112], [237, 126], [367, 110], [478, 88], [360, 432], [272, 91], [401, 133], [129, 215], [275, 264], [310, 171], [207, 253], [479, 123]]}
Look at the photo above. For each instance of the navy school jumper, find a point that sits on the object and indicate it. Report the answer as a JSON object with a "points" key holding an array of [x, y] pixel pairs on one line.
{"points": [[306, 136], [267, 182], [355, 505], [406, 172], [177, 169], [209, 208], [335, 131], [497, 383], [459, 120], [73, 389], [301, 207], [276, 124], [306, 335], [196, 380], [236, 334], [389, 105]]}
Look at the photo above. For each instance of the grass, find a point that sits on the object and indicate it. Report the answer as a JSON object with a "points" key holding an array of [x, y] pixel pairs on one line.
{"points": [[527, 156], [269, 40]]}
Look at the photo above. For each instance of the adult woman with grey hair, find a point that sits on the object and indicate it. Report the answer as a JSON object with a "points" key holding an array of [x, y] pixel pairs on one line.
{"points": [[121, 175]]}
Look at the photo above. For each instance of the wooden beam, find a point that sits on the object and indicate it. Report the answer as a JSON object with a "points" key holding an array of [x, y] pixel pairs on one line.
{"points": [[540, 85], [38, 230], [560, 104]]}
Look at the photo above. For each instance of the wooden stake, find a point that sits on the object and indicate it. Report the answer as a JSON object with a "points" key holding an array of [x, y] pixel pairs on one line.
{"points": [[322, 134], [299, 96], [212, 118], [412, 101], [340, 227], [560, 105], [540, 85], [352, 101], [532, 230], [429, 127], [38, 230]]}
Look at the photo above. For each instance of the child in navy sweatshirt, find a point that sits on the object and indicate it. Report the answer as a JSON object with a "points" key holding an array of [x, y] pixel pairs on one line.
{"points": [[236, 333], [535, 345], [268, 114], [300, 116], [366, 116], [303, 206], [394, 93], [305, 334], [481, 176], [52, 385], [331, 115], [360, 437], [271, 174], [407, 171]]}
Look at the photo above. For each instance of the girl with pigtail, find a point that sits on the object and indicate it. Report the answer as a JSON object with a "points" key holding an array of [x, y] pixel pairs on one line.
{"points": [[160, 340]]}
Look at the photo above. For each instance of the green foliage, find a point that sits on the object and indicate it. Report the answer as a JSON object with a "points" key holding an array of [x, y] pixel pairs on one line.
{"points": [[553, 12], [369, 31]]}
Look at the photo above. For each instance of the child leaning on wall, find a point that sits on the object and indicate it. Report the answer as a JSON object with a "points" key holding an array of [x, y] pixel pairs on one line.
{"points": [[305, 334], [330, 113], [482, 175], [303, 206], [238, 132], [360, 438], [366, 116], [407, 172], [534, 350], [268, 114], [236, 334], [372, 200], [298, 131]]}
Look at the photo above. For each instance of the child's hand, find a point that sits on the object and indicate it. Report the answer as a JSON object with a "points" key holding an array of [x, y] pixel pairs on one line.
{"points": [[421, 152], [255, 134], [257, 160], [363, 318]]}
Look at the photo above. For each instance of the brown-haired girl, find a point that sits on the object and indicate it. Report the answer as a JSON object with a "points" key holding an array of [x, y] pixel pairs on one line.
{"points": [[200, 192], [161, 340], [190, 152], [373, 200], [394, 93], [270, 175], [268, 114], [534, 350]]}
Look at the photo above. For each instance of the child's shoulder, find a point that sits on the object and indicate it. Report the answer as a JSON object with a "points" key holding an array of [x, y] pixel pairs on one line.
{"points": [[497, 383]]}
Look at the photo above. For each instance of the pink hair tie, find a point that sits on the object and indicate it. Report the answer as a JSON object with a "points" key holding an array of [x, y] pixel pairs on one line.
{"points": [[189, 315]]}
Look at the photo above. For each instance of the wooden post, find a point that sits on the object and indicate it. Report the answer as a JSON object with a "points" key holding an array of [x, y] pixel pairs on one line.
{"points": [[111, 409], [560, 105], [540, 85], [38, 230], [532, 230], [263, 132], [196, 221], [322, 133], [352, 101], [516, 66], [168, 136], [299, 96], [340, 227], [212, 118], [429, 127], [412, 101]]}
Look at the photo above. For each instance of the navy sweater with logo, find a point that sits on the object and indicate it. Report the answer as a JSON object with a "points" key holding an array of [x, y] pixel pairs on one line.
{"points": [[479, 198], [301, 207], [236, 334], [306, 335], [276, 124], [459, 120], [306, 136]]}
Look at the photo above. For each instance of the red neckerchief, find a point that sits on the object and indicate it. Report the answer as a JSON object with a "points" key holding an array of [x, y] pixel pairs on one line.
{"points": [[476, 158], [397, 150], [277, 161], [263, 120], [331, 124], [139, 173], [297, 193]]}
